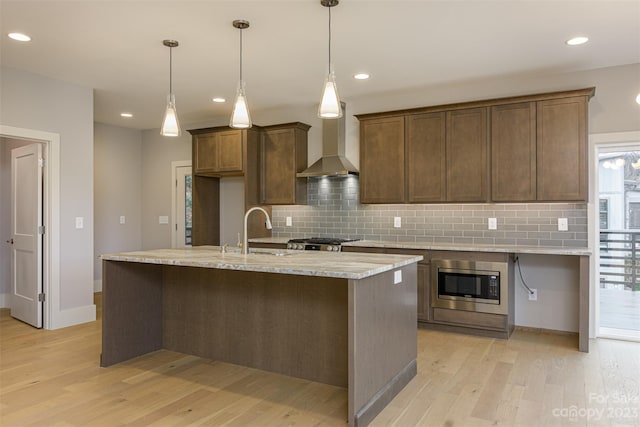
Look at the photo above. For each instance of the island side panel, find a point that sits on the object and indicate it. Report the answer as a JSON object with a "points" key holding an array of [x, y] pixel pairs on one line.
{"points": [[132, 310], [289, 324], [383, 341]]}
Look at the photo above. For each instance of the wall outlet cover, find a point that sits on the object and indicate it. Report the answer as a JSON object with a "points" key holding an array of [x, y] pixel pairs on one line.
{"points": [[563, 224], [533, 295], [122, 219], [397, 222], [289, 221], [79, 222], [397, 277], [493, 223], [163, 219]]}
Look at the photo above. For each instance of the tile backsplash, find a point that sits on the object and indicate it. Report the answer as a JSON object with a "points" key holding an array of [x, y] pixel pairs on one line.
{"points": [[333, 210]]}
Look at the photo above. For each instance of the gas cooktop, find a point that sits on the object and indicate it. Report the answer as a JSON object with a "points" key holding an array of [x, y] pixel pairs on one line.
{"points": [[333, 244]]}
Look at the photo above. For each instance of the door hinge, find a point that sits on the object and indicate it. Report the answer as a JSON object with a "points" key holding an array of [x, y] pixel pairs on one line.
{"points": [[41, 162], [41, 229], [40, 297]]}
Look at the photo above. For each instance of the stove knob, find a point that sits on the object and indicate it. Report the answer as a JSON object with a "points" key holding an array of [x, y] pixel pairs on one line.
{"points": [[301, 247], [289, 245], [332, 248]]}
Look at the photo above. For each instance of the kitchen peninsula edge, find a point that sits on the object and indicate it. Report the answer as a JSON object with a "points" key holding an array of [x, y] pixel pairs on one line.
{"points": [[343, 319]]}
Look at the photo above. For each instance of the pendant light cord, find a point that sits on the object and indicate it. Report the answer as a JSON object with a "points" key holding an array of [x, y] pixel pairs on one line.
{"points": [[329, 39], [170, 71], [241, 54]]}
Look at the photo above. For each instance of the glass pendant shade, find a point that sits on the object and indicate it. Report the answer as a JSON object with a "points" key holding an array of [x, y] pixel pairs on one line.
{"points": [[240, 118], [330, 102], [170, 124]]}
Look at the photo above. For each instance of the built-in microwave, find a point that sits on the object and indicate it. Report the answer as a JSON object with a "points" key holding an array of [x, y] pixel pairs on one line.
{"points": [[470, 285]]}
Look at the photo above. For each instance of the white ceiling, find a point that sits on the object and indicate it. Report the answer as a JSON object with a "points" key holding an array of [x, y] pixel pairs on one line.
{"points": [[116, 47]]}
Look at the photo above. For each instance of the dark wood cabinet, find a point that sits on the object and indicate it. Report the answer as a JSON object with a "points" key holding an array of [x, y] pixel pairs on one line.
{"points": [[219, 152], [562, 149], [382, 160], [426, 157], [424, 292], [513, 152], [283, 154], [530, 148], [466, 154]]}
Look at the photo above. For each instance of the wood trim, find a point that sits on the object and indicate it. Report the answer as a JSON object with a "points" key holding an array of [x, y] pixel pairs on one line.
{"points": [[589, 92], [584, 305]]}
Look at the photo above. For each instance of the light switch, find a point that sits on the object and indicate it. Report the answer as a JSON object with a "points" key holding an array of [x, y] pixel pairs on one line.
{"points": [[122, 220], [289, 221], [163, 219], [563, 224], [493, 223], [79, 222], [397, 221], [397, 277]]}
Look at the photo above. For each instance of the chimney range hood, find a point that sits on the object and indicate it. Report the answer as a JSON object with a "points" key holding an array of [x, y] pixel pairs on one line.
{"points": [[333, 161]]}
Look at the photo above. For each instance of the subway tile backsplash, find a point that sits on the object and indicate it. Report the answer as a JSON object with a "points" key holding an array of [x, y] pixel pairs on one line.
{"points": [[333, 210]]}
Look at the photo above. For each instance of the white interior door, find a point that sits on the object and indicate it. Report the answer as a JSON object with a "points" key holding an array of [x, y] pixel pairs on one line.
{"points": [[183, 206], [26, 234]]}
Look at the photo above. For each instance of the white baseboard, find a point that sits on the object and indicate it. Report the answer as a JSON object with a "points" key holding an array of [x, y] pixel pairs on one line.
{"points": [[97, 285], [5, 300], [74, 316]]}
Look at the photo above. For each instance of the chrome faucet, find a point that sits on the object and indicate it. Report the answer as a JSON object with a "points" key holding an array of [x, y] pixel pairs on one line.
{"points": [[245, 244]]}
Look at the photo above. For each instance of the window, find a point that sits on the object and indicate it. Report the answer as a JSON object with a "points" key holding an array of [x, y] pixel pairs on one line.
{"points": [[604, 214]]}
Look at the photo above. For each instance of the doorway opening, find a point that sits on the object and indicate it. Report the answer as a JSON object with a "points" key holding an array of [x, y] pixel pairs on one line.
{"points": [[181, 205], [618, 213]]}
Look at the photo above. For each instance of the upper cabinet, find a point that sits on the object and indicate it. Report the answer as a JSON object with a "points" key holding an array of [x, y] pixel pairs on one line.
{"points": [[519, 149], [382, 160], [513, 152], [562, 149], [283, 154], [466, 154], [219, 151]]}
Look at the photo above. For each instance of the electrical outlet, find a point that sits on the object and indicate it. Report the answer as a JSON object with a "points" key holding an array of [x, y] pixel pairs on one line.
{"points": [[563, 224], [397, 222], [493, 223], [79, 222], [289, 221], [163, 219], [122, 219], [533, 295], [397, 277]]}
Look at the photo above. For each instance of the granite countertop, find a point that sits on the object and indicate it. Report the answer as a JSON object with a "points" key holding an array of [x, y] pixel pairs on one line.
{"points": [[324, 264], [540, 250]]}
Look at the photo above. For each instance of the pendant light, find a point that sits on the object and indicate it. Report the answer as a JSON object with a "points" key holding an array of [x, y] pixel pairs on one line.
{"points": [[240, 118], [329, 102], [170, 124]]}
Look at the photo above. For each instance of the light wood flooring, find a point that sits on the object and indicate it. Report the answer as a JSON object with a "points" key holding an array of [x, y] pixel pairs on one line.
{"points": [[52, 378]]}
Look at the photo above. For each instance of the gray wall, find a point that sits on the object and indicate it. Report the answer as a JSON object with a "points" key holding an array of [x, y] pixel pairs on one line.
{"points": [[117, 191], [157, 154], [6, 145], [35, 102]]}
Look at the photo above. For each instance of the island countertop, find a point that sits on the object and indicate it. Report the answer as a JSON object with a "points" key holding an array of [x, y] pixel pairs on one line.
{"points": [[314, 263]]}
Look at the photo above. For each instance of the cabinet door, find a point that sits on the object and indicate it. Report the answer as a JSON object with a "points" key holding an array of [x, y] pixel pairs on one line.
{"points": [[278, 158], [562, 161], [467, 155], [206, 159], [382, 178], [424, 293], [426, 164], [230, 151], [513, 152]]}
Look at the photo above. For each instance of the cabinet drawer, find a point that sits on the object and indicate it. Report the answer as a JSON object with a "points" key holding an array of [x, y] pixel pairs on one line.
{"points": [[470, 318]]}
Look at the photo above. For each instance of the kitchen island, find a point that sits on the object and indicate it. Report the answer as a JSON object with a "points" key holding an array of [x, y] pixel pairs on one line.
{"points": [[343, 319]]}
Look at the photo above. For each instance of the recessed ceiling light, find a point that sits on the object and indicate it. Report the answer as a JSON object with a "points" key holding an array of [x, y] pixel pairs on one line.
{"points": [[361, 76], [575, 41], [638, 98], [219, 100], [19, 37], [128, 115]]}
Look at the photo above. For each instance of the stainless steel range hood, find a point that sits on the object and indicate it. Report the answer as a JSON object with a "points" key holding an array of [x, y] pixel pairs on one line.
{"points": [[333, 161]]}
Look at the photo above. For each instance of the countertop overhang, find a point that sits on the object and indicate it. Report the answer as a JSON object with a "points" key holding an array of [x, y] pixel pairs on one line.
{"points": [[515, 249], [323, 264]]}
